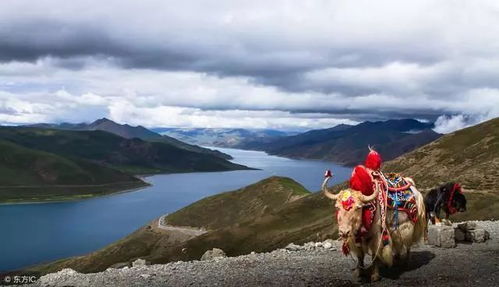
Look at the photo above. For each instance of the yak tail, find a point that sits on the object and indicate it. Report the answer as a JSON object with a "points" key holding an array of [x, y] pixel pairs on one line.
{"points": [[420, 226]]}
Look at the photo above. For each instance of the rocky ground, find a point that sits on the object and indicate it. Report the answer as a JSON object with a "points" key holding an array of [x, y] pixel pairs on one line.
{"points": [[313, 264]]}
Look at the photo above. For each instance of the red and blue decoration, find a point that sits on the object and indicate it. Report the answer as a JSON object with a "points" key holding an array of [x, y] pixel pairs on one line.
{"points": [[328, 173], [347, 200]]}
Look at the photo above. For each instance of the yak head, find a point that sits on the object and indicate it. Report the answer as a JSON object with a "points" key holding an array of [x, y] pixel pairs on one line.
{"points": [[458, 203], [349, 205]]}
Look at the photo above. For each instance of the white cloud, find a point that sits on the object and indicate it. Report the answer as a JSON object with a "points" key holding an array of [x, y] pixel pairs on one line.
{"points": [[447, 124], [193, 117], [271, 64]]}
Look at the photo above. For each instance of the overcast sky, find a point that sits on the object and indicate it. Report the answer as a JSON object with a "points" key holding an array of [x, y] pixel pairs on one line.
{"points": [[259, 64]]}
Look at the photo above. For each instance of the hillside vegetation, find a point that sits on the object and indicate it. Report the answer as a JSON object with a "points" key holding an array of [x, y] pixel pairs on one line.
{"points": [[238, 206], [469, 156], [33, 175], [130, 155]]}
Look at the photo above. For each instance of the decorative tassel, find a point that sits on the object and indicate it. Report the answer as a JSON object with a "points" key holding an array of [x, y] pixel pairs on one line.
{"points": [[361, 180], [373, 160], [386, 238], [345, 248], [328, 173]]}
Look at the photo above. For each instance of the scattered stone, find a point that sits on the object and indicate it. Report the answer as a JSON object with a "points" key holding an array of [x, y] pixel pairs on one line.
{"points": [[293, 247], [441, 236], [327, 245], [476, 235], [119, 265], [447, 239], [459, 234], [309, 245], [214, 253], [466, 226], [67, 271], [139, 263], [472, 232], [433, 235]]}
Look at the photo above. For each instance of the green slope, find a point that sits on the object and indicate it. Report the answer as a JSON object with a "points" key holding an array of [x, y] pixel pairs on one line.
{"points": [[245, 204], [32, 175], [129, 155], [469, 156]]}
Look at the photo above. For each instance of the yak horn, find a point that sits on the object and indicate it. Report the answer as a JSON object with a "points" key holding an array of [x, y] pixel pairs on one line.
{"points": [[367, 198], [327, 193]]}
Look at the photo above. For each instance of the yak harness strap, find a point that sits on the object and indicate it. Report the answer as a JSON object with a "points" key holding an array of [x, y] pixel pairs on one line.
{"points": [[382, 198]]}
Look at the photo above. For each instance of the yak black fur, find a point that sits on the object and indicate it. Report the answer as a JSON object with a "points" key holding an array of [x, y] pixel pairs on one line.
{"points": [[436, 200]]}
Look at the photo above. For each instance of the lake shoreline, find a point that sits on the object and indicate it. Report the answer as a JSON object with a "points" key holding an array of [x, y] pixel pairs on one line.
{"points": [[78, 197]]}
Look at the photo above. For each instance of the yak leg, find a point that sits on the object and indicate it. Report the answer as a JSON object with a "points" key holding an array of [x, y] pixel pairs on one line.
{"points": [[386, 253], [437, 214], [437, 220], [360, 264], [446, 221], [404, 257], [375, 271]]}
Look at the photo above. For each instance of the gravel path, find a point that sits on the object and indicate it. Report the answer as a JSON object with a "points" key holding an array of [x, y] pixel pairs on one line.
{"points": [[466, 265], [192, 231]]}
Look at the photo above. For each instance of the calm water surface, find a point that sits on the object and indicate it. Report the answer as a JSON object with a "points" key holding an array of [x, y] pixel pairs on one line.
{"points": [[35, 233]]}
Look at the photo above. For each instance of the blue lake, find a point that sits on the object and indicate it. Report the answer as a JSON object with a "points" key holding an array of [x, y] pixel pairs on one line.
{"points": [[35, 233]]}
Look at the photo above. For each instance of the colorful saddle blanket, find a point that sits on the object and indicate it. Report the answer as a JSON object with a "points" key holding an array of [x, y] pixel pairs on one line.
{"points": [[400, 196]]}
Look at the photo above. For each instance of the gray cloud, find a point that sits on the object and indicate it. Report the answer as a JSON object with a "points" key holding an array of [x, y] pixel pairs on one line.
{"points": [[353, 60]]}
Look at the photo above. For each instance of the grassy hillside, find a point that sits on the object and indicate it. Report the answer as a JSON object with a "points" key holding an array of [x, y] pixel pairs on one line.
{"points": [[27, 174], [469, 156], [245, 204], [128, 155]]}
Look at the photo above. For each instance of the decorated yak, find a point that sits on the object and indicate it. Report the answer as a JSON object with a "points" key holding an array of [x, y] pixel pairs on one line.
{"points": [[378, 215]]}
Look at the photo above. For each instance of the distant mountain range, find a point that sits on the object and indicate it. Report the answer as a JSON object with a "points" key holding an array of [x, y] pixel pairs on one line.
{"points": [[343, 144], [219, 137], [56, 162], [347, 144], [129, 132]]}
